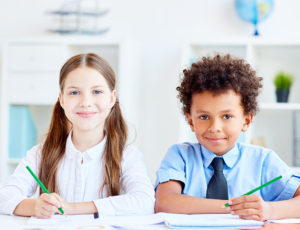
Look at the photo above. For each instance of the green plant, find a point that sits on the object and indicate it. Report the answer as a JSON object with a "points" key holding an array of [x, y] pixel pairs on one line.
{"points": [[283, 81]]}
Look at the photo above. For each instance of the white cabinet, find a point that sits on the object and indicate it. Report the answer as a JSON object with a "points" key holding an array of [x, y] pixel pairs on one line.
{"points": [[32, 57], [29, 87], [275, 123]]}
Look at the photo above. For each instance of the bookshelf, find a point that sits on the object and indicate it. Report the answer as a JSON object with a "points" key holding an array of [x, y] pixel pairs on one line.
{"points": [[29, 87], [277, 124]]}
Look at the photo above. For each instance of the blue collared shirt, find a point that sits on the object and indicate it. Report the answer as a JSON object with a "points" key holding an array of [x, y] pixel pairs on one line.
{"points": [[246, 167]]}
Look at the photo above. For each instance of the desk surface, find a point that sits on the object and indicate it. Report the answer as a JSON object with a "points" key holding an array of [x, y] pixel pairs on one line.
{"points": [[13, 222], [20, 223]]}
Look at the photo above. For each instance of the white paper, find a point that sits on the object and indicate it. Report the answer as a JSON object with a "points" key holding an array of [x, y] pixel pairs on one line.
{"points": [[65, 222], [87, 222], [58, 219], [132, 221], [286, 221], [157, 221], [209, 220], [154, 221]]}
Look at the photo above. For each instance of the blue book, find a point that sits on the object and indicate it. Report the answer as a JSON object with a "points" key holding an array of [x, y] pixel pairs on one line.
{"points": [[22, 131]]}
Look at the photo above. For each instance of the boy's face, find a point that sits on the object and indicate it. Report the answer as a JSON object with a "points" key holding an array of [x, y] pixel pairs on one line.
{"points": [[218, 120]]}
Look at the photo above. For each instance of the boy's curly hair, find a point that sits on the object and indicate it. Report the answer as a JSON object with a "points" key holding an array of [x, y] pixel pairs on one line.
{"points": [[218, 74]]}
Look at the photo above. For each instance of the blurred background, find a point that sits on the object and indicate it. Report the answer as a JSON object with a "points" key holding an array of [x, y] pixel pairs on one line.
{"points": [[148, 43]]}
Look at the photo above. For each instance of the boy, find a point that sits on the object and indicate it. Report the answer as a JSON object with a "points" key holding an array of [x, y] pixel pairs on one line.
{"points": [[219, 97]]}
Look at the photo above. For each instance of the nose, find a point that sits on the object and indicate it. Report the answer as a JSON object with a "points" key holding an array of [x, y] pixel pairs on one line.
{"points": [[215, 126], [86, 100]]}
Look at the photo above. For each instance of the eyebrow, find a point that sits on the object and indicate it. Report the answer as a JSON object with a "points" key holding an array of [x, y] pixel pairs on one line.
{"points": [[93, 87], [227, 111], [223, 111]]}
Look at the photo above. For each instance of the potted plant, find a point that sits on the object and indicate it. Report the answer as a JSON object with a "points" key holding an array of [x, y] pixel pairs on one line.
{"points": [[283, 82]]}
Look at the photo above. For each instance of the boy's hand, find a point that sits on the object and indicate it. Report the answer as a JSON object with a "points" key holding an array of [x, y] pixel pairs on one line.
{"points": [[47, 205], [250, 207]]}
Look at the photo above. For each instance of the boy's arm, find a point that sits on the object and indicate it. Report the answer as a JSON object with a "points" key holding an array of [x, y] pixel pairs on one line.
{"points": [[169, 199], [253, 207], [286, 208]]}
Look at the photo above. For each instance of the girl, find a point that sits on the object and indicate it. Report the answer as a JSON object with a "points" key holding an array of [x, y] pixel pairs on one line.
{"points": [[84, 161]]}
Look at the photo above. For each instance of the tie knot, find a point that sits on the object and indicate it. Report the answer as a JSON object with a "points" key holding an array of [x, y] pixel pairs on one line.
{"points": [[218, 164]]}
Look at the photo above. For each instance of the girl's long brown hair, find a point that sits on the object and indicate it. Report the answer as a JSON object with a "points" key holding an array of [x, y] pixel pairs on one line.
{"points": [[115, 130]]}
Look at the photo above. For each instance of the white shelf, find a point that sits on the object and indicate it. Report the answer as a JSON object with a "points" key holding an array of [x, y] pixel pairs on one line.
{"points": [[13, 161], [229, 41], [296, 170], [279, 106]]}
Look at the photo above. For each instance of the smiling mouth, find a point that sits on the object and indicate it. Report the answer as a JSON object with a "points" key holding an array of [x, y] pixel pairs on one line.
{"points": [[86, 114], [215, 140]]}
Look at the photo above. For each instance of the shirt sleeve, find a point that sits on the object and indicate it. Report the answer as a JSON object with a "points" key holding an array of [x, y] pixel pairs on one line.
{"points": [[20, 185], [282, 189], [137, 195], [172, 167]]}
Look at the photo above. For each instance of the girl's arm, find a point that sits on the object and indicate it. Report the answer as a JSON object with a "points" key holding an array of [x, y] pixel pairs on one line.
{"points": [[43, 207], [79, 208], [21, 185], [25, 208], [169, 199], [47, 205]]}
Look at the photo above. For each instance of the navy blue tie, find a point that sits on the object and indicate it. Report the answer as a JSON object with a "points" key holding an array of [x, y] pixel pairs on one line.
{"points": [[217, 186]]}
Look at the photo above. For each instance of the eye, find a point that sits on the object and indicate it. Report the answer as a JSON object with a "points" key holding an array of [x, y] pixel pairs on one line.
{"points": [[227, 116], [74, 93], [97, 91], [203, 117]]}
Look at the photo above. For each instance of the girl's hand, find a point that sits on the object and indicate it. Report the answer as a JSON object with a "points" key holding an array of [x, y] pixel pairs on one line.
{"points": [[47, 205], [250, 207]]}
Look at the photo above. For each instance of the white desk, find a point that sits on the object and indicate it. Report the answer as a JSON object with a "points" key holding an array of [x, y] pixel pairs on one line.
{"points": [[20, 223], [12, 222]]}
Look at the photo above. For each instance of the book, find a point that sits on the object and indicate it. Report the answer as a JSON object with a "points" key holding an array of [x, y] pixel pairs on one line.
{"points": [[22, 131]]}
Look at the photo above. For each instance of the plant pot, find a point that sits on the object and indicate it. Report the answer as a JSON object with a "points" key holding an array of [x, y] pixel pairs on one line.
{"points": [[282, 95]]}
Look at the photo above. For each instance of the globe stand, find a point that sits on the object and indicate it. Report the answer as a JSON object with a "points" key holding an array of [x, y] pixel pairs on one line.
{"points": [[256, 33], [254, 11]]}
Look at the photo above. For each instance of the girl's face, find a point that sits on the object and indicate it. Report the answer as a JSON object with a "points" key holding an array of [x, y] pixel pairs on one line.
{"points": [[86, 99], [218, 120]]}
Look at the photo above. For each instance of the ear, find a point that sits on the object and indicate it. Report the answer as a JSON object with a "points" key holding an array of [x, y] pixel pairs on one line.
{"points": [[113, 98], [190, 121], [61, 101], [247, 121]]}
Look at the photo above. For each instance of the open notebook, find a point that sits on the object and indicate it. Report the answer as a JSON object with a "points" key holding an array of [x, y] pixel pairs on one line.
{"points": [[138, 222], [161, 220], [209, 220]]}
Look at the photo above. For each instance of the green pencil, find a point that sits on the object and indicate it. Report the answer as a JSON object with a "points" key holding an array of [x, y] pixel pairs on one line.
{"points": [[259, 187], [41, 185]]}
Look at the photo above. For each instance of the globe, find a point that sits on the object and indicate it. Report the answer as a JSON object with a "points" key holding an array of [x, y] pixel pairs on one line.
{"points": [[254, 11]]}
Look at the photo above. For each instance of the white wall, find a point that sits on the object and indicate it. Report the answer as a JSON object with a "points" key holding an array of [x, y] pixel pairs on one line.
{"points": [[158, 29]]}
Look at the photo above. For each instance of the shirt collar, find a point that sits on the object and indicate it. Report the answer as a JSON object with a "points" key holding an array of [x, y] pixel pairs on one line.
{"points": [[91, 153], [230, 158]]}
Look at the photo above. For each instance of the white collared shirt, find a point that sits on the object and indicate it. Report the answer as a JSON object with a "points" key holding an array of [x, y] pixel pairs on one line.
{"points": [[79, 179]]}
